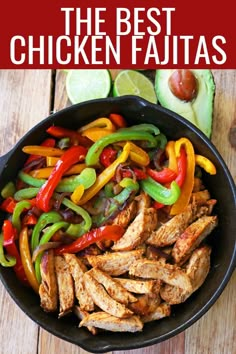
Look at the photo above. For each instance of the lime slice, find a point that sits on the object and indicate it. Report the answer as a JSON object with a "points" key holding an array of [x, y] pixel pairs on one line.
{"points": [[131, 82], [83, 85]]}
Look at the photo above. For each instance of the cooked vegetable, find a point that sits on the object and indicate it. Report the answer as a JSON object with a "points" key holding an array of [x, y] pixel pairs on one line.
{"points": [[82, 213]]}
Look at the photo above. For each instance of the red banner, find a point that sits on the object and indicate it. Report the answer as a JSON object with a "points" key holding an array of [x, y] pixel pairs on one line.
{"points": [[117, 34]]}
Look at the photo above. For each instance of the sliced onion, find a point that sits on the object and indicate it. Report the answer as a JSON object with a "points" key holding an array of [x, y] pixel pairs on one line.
{"points": [[41, 248], [158, 159]]}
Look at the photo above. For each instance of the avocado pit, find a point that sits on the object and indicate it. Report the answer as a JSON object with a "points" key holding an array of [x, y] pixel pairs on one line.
{"points": [[183, 84]]}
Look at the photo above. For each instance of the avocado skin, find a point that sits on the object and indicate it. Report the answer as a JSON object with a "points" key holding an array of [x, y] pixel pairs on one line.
{"points": [[199, 111]]}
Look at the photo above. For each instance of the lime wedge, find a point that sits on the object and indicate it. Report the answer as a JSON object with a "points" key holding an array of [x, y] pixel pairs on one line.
{"points": [[131, 82], [83, 85]]}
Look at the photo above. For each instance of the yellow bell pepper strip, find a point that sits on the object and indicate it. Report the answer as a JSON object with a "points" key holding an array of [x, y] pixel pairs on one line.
{"points": [[73, 155], [137, 154], [95, 134], [94, 152], [187, 186], [103, 123], [206, 164], [46, 171], [77, 194], [105, 176], [170, 153], [42, 150], [51, 161], [26, 259], [160, 193]]}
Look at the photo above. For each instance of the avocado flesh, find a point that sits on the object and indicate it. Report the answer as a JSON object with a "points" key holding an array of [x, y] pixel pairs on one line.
{"points": [[199, 111]]}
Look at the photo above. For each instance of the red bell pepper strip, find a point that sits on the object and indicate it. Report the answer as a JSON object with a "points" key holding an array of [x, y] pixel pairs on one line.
{"points": [[108, 232], [118, 120], [48, 142], [182, 167], [140, 174], [157, 205], [73, 155], [75, 137], [29, 219], [8, 205], [108, 156], [164, 176], [9, 236]]}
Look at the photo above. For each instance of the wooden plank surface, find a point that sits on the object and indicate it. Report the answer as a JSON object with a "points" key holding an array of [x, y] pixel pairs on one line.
{"points": [[25, 98]]}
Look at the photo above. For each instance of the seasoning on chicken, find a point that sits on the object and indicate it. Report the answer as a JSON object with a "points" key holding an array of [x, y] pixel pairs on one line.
{"points": [[126, 215], [65, 286], [168, 233], [104, 301], [138, 231], [111, 323], [137, 286], [192, 237], [82, 314], [146, 304], [113, 287], [168, 273], [115, 263], [161, 311], [48, 290], [77, 270], [197, 270]]}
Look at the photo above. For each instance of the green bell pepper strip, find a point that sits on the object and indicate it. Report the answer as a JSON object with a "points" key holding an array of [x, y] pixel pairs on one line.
{"points": [[160, 193], [108, 190], [32, 181], [144, 127], [44, 239], [117, 201], [26, 193], [45, 219], [78, 229], [20, 206], [94, 152], [8, 190], [161, 140], [6, 260], [87, 177]]}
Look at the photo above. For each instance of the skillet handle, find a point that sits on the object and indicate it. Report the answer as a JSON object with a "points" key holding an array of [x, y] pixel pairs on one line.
{"points": [[3, 161]]}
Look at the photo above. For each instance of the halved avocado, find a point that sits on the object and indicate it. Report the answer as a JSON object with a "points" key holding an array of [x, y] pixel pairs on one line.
{"points": [[199, 109]]}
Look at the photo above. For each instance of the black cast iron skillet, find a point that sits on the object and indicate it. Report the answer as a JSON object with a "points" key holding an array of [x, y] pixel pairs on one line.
{"points": [[221, 187]]}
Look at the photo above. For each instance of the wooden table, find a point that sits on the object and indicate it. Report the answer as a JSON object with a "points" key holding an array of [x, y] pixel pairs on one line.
{"points": [[28, 96]]}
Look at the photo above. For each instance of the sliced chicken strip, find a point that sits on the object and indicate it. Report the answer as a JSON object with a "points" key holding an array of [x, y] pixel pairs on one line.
{"points": [[113, 287], [81, 314], [48, 290], [110, 323], [103, 300], [65, 286], [77, 270], [192, 237], [168, 233], [138, 231], [137, 286], [156, 270], [144, 201], [115, 263], [146, 304], [163, 310], [197, 270], [126, 215]]}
